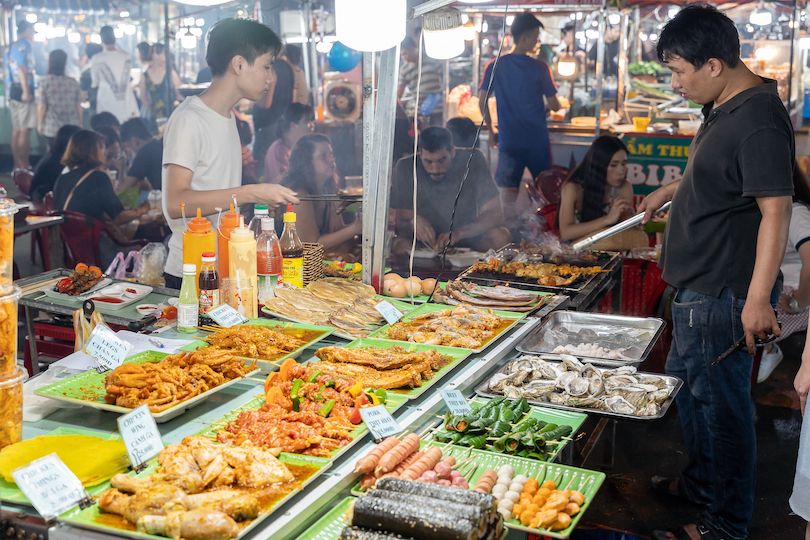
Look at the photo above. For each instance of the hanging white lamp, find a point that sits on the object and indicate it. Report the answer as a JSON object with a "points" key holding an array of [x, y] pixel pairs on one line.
{"points": [[567, 65], [370, 25], [444, 33], [761, 16]]}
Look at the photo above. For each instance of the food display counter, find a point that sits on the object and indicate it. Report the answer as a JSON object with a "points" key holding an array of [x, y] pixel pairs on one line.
{"points": [[297, 512]]}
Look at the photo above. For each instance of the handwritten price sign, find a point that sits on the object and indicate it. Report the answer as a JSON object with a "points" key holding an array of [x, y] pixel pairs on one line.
{"points": [[226, 316], [455, 401], [106, 348], [141, 435], [379, 422], [50, 486]]}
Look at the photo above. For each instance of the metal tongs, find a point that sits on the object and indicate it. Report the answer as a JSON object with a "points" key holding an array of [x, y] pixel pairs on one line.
{"points": [[616, 229], [740, 343]]}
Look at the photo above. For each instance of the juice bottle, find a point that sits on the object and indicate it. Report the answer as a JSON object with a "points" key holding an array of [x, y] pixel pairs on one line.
{"points": [[260, 212], [228, 222], [242, 263], [197, 239], [292, 251], [187, 307], [208, 286], [269, 261]]}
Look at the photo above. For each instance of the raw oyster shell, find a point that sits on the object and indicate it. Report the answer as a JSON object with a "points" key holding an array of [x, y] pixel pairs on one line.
{"points": [[578, 386], [571, 363], [586, 402], [620, 405], [538, 389], [565, 378]]}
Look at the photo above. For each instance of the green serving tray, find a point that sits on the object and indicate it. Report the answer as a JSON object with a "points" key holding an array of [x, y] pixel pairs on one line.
{"points": [[88, 389], [457, 354], [392, 404], [588, 482], [330, 524], [9, 492], [560, 418], [90, 518], [402, 306], [283, 326], [382, 333]]}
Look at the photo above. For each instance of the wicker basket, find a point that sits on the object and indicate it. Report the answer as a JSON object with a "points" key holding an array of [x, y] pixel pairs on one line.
{"points": [[313, 263]]}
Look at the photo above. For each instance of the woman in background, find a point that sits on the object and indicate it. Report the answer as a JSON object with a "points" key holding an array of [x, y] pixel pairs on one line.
{"points": [[50, 166], [791, 311], [155, 85], [596, 194], [60, 98], [297, 121], [313, 172]]}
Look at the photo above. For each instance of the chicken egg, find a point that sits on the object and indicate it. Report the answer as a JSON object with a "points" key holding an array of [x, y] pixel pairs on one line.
{"points": [[393, 276], [428, 285], [413, 285], [398, 290]]}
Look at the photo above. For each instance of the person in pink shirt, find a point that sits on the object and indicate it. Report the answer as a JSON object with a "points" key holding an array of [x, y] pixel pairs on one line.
{"points": [[298, 120]]}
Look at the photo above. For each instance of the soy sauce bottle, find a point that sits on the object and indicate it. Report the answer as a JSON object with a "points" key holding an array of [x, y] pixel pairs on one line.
{"points": [[208, 287], [292, 251]]}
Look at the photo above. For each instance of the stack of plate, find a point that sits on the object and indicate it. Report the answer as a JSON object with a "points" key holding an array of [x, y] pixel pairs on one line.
{"points": [[313, 263]]}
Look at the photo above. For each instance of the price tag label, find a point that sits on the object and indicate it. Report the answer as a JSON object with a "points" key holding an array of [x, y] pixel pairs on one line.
{"points": [[106, 348], [379, 422], [455, 401], [141, 435], [226, 316], [50, 486], [387, 310]]}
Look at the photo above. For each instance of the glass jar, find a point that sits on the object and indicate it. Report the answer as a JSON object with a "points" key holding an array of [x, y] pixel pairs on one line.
{"points": [[7, 210], [8, 332], [11, 408]]}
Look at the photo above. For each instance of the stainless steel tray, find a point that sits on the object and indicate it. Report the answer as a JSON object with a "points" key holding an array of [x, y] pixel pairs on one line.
{"points": [[576, 320], [676, 383]]}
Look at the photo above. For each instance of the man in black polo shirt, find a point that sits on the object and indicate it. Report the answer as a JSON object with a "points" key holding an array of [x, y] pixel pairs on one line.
{"points": [[147, 166], [724, 242]]}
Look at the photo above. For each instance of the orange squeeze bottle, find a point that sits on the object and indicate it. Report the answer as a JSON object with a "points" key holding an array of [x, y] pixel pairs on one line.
{"points": [[197, 239]]}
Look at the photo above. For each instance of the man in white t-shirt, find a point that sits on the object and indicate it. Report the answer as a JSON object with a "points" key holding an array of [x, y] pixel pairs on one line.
{"points": [[110, 73], [202, 154]]}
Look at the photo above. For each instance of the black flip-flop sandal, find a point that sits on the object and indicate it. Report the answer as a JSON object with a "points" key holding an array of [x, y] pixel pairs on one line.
{"points": [[660, 484], [705, 531]]}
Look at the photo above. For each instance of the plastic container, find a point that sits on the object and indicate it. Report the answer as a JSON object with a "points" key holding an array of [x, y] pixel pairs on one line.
{"points": [[238, 293], [8, 332], [7, 210], [228, 222], [11, 407], [188, 306], [269, 261], [197, 239], [260, 212], [242, 264]]}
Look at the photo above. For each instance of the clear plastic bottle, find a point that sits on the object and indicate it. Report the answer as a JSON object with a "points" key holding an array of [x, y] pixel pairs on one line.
{"points": [[188, 306], [228, 222], [242, 265], [208, 286], [260, 212], [268, 261], [292, 250]]}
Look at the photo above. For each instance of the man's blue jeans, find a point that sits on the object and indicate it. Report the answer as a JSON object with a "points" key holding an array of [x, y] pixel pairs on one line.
{"points": [[715, 407]]}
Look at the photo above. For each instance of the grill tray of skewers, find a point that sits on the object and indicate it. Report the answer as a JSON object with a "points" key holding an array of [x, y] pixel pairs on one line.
{"points": [[510, 427], [501, 481], [514, 266], [621, 392]]}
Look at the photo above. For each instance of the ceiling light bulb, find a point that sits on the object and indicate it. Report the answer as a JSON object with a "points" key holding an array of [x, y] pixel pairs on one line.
{"points": [[761, 16], [443, 33], [567, 66]]}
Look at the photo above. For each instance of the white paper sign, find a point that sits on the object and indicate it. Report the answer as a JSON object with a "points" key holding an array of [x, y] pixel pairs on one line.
{"points": [[387, 310], [379, 422], [140, 434], [50, 486], [106, 348], [455, 401], [224, 315]]}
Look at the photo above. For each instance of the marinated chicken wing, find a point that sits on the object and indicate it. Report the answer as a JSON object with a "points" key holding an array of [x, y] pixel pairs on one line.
{"points": [[200, 524]]}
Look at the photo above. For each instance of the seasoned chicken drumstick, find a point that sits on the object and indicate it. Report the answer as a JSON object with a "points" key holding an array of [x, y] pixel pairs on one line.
{"points": [[200, 524]]}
